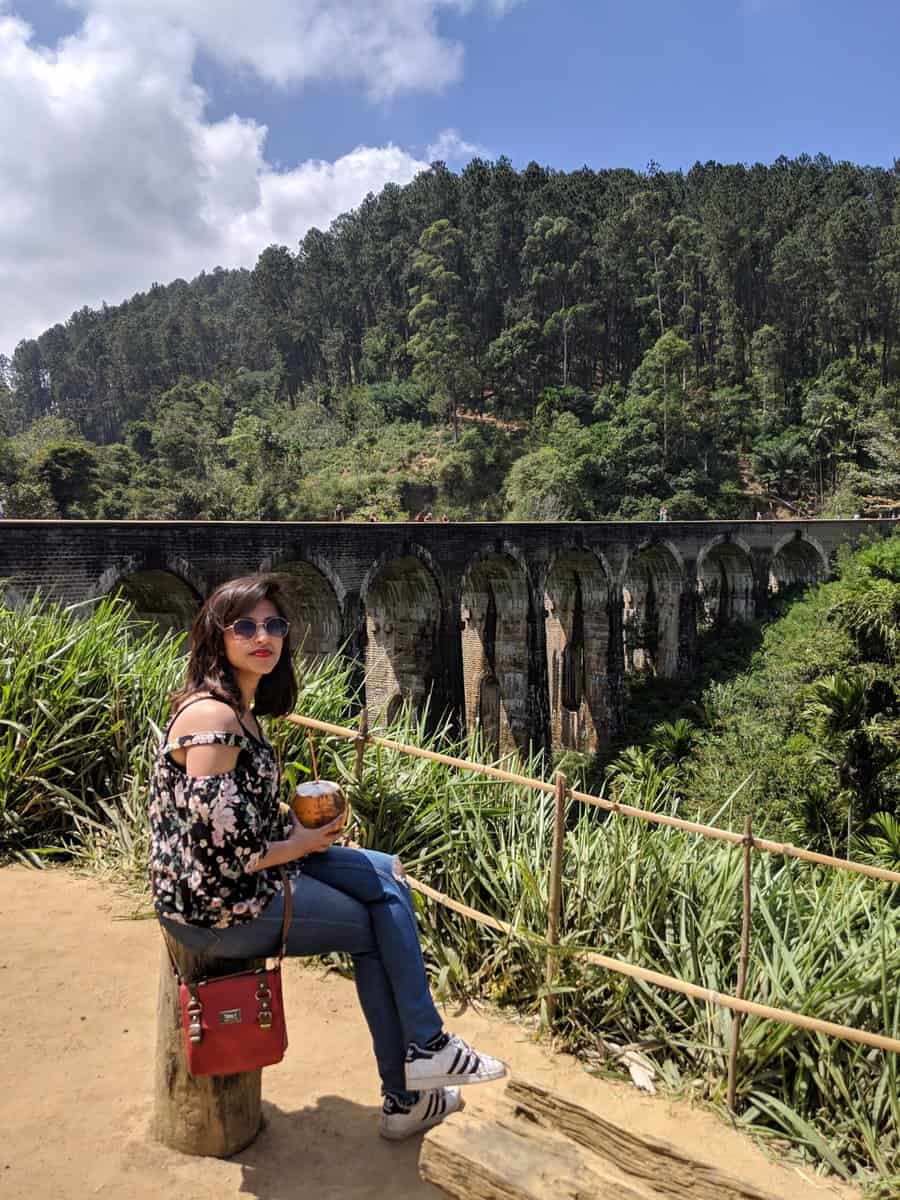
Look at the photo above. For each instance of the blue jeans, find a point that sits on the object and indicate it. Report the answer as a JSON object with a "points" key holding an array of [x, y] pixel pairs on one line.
{"points": [[347, 900]]}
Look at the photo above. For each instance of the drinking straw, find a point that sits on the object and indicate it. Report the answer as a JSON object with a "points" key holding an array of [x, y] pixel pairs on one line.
{"points": [[312, 755]]}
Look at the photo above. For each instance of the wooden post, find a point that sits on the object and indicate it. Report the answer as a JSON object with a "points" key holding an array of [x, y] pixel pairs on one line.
{"points": [[554, 904], [361, 738], [215, 1115], [742, 965]]}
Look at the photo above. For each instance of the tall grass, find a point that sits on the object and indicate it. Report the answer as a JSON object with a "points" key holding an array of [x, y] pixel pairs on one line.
{"points": [[81, 692], [822, 943], [81, 703]]}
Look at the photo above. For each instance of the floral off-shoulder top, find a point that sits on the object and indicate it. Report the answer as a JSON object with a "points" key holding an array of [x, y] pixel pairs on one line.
{"points": [[206, 832]]}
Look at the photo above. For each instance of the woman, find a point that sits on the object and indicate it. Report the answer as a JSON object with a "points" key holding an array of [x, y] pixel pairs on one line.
{"points": [[219, 838]]}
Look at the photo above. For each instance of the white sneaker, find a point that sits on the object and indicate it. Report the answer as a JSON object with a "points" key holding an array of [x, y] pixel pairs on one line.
{"points": [[455, 1062], [430, 1109]]}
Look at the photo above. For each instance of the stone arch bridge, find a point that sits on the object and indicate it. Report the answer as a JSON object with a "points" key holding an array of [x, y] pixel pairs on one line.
{"points": [[525, 630]]}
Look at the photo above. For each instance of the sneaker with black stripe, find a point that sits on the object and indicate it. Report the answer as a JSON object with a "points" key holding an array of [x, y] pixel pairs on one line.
{"points": [[447, 1059], [399, 1120]]}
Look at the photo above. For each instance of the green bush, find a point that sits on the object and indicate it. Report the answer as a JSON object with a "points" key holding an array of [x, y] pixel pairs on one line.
{"points": [[814, 719], [81, 693]]}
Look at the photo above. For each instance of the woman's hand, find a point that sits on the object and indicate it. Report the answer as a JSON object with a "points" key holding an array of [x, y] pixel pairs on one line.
{"points": [[300, 842], [313, 841]]}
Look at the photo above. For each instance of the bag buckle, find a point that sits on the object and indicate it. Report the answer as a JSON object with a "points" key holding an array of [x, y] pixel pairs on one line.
{"points": [[195, 1029], [264, 1006]]}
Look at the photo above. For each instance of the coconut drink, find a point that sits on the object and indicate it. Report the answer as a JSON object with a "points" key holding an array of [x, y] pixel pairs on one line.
{"points": [[318, 803]]}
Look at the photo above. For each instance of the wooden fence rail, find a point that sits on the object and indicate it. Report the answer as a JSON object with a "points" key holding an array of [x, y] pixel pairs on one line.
{"points": [[749, 1007], [785, 849], [737, 1004]]}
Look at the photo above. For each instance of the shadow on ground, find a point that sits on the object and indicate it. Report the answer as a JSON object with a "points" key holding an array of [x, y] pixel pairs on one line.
{"points": [[328, 1151]]}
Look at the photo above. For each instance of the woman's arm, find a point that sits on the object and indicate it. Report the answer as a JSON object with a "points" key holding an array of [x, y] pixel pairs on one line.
{"points": [[211, 760], [199, 718], [301, 842], [206, 762]]}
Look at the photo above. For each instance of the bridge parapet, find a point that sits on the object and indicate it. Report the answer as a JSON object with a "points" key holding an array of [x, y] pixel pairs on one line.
{"points": [[524, 629]]}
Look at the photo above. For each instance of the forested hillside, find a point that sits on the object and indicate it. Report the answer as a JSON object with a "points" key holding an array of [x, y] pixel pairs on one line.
{"points": [[498, 343]]}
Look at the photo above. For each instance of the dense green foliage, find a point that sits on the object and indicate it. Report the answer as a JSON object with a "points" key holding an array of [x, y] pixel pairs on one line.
{"points": [[533, 344], [83, 699], [79, 701], [799, 718]]}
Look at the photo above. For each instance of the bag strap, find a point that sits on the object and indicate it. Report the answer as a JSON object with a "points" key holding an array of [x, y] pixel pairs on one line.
{"points": [[288, 915], [286, 919]]}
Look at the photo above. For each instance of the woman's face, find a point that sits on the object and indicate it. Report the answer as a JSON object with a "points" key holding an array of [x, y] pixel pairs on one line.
{"points": [[259, 654]]}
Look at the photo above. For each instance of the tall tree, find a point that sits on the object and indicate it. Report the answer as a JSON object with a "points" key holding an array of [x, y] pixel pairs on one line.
{"points": [[441, 346], [555, 255]]}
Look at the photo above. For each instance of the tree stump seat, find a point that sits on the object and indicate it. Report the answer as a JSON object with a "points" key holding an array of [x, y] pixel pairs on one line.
{"points": [[215, 1115]]}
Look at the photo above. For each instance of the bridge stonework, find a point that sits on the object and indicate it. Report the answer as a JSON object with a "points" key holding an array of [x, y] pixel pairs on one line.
{"points": [[525, 631]]}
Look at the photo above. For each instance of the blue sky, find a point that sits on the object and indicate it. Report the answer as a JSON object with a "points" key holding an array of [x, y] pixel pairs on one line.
{"points": [[141, 140], [569, 82]]}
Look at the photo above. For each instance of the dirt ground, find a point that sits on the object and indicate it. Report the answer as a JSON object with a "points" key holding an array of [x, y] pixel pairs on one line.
{"points": [[78, 982]]}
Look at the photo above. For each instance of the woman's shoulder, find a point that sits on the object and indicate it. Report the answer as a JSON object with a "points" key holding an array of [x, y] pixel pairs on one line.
{"points": [[205, 714]]}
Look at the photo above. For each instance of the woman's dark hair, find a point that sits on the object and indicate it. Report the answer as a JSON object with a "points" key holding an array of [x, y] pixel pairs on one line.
{"points": [[208, 668]]}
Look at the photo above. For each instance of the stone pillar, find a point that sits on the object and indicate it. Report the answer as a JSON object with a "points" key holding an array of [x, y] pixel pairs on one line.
{"points": [[498, 651], [687, 621], [401, 639], [762, 560], [538, 680], [353, 639], [449, 690], [577, 633], [616, 669]]}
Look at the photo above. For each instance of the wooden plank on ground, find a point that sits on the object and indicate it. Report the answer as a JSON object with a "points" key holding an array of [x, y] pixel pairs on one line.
{"points": [[667, 1169], [471, 1158]]}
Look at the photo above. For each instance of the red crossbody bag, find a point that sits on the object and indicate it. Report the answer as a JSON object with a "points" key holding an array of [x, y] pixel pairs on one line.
{"points": [[236, 1022]]}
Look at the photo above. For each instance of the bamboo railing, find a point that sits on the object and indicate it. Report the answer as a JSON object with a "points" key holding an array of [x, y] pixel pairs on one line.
{"points": [[748, 1007], [787, 849], [738, 1004]]}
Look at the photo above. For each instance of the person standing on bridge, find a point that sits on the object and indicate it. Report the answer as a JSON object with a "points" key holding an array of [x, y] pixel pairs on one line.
{"points": [[218, 833]]}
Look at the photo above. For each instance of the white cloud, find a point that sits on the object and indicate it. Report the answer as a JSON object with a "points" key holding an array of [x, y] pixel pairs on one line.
{"points": [[450, 148], [288, 203], [388, 45], [113, 176]]}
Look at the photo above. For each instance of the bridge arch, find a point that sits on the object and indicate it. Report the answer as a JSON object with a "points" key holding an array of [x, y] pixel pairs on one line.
{"points": [[495, 605], [273, 563], [797, 561], [653, 581], [312, 607], [725, 581], [156, 594], [577, 630], [401, 601]]}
